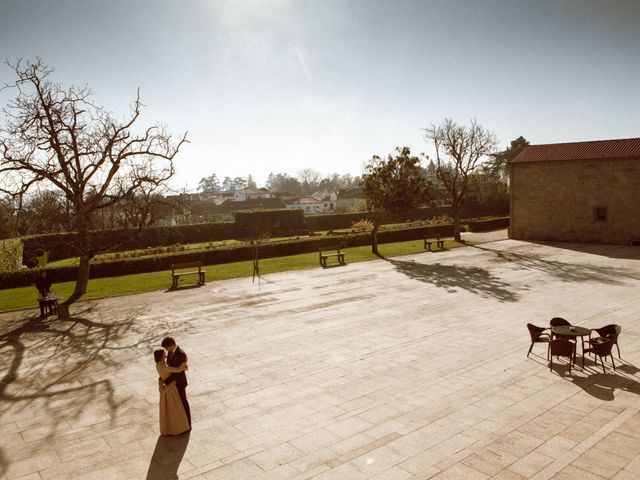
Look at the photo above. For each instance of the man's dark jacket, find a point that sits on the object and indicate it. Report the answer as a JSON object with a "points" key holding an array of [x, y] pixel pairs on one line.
{"points": [[43, 284], [175, 359]]}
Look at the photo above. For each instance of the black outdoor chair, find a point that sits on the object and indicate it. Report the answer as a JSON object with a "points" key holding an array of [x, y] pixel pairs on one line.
{"points": [[562, 348], [602, 350], [560, 322], [538, 336], [608, 331]]}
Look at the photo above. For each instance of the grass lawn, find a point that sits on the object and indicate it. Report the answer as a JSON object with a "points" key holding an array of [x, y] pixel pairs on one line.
{"points": [[25, 297]]}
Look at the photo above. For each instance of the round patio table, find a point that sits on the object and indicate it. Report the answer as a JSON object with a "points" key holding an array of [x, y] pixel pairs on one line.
{"points": [[567, 331], [571, 331]]}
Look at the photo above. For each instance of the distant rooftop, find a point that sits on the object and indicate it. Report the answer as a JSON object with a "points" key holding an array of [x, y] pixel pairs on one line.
{"points": [[593, 150]]}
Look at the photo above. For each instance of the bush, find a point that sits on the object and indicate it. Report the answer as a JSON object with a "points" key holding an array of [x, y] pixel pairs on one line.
{"points": [[364, 225]]}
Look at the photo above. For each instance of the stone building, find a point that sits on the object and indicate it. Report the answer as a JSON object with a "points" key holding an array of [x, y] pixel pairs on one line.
{"points": [[577, 192]]}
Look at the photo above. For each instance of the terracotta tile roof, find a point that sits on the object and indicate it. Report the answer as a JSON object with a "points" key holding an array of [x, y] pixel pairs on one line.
{"points": [[595, 150]]}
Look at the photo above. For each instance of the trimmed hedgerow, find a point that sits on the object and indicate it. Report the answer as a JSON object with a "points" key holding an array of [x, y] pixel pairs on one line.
{"points": [[65, 245], [345, 220], [490, 224], [220, 255], [269, 221]]}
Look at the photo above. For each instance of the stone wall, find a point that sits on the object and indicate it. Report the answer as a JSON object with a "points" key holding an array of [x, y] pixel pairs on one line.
{"points": [[555, 200]]}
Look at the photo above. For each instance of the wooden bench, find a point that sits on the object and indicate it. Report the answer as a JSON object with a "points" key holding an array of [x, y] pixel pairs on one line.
{"points": [[439, 244], [335, 249], [195, 268]]}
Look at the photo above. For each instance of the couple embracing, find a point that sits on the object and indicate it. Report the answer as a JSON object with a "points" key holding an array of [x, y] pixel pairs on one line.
{"points": [[171, 363]]}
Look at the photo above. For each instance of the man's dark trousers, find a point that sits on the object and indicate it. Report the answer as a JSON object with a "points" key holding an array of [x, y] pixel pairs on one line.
{"points": [[175, 359]]}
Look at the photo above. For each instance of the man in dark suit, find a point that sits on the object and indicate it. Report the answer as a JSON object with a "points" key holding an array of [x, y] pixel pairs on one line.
{"points": [[175, 358]]}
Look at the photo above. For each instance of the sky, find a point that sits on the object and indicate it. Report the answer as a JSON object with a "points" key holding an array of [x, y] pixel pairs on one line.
{"points": [[282, 85]]}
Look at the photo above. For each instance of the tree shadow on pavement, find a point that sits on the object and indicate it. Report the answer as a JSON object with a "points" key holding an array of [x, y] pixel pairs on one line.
{"points": [[58, 368], [453, 278], [167, 457], [568, 272]]}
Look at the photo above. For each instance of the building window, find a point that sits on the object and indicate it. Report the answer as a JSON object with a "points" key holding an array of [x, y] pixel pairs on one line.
{"points": [[600, 213]]}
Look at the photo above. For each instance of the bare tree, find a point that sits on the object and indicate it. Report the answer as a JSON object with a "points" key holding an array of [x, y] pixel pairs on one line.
{"points": [[310, 179], [460, 150], [43, 211], [56, 138], [145, 208]]}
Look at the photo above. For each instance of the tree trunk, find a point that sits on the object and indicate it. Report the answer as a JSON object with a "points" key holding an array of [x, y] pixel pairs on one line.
{"points": [[82, 280], [456, 222], [374, 239]]}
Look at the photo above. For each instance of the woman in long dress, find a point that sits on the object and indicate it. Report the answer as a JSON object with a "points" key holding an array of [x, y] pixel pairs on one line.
{"points": [[173, 419]]}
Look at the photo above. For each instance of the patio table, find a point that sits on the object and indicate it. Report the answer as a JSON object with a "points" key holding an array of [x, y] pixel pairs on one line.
{"points": [[573, 332]]}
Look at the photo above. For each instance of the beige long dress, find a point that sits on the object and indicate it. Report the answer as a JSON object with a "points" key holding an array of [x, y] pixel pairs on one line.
{"points": [[173, 419]]}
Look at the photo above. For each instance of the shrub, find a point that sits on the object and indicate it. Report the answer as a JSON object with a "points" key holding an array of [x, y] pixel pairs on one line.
{"points": [[364, 225], [441, 220]]}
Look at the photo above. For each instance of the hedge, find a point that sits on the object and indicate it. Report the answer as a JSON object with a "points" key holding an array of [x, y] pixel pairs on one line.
{"points": [[114, 268], [64, 245], [490, 224], [344, 220], [256, 222], [285, 222]]}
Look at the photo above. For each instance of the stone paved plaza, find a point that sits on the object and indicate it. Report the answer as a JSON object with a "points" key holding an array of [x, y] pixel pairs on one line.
{"points": [[413, 367]]}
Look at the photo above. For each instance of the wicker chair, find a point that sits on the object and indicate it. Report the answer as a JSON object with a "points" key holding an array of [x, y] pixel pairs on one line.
{"points": [[538, 336], [562, 348], [602, 350], [608, 331]]}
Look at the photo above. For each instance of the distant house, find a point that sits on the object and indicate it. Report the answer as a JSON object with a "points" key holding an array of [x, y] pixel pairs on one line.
{"points": [[187, 207], [195, 208], [577, 192], [310, 205], [243, 194], [328, 199], [349, 200], [224, 196], [229, 208]]}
